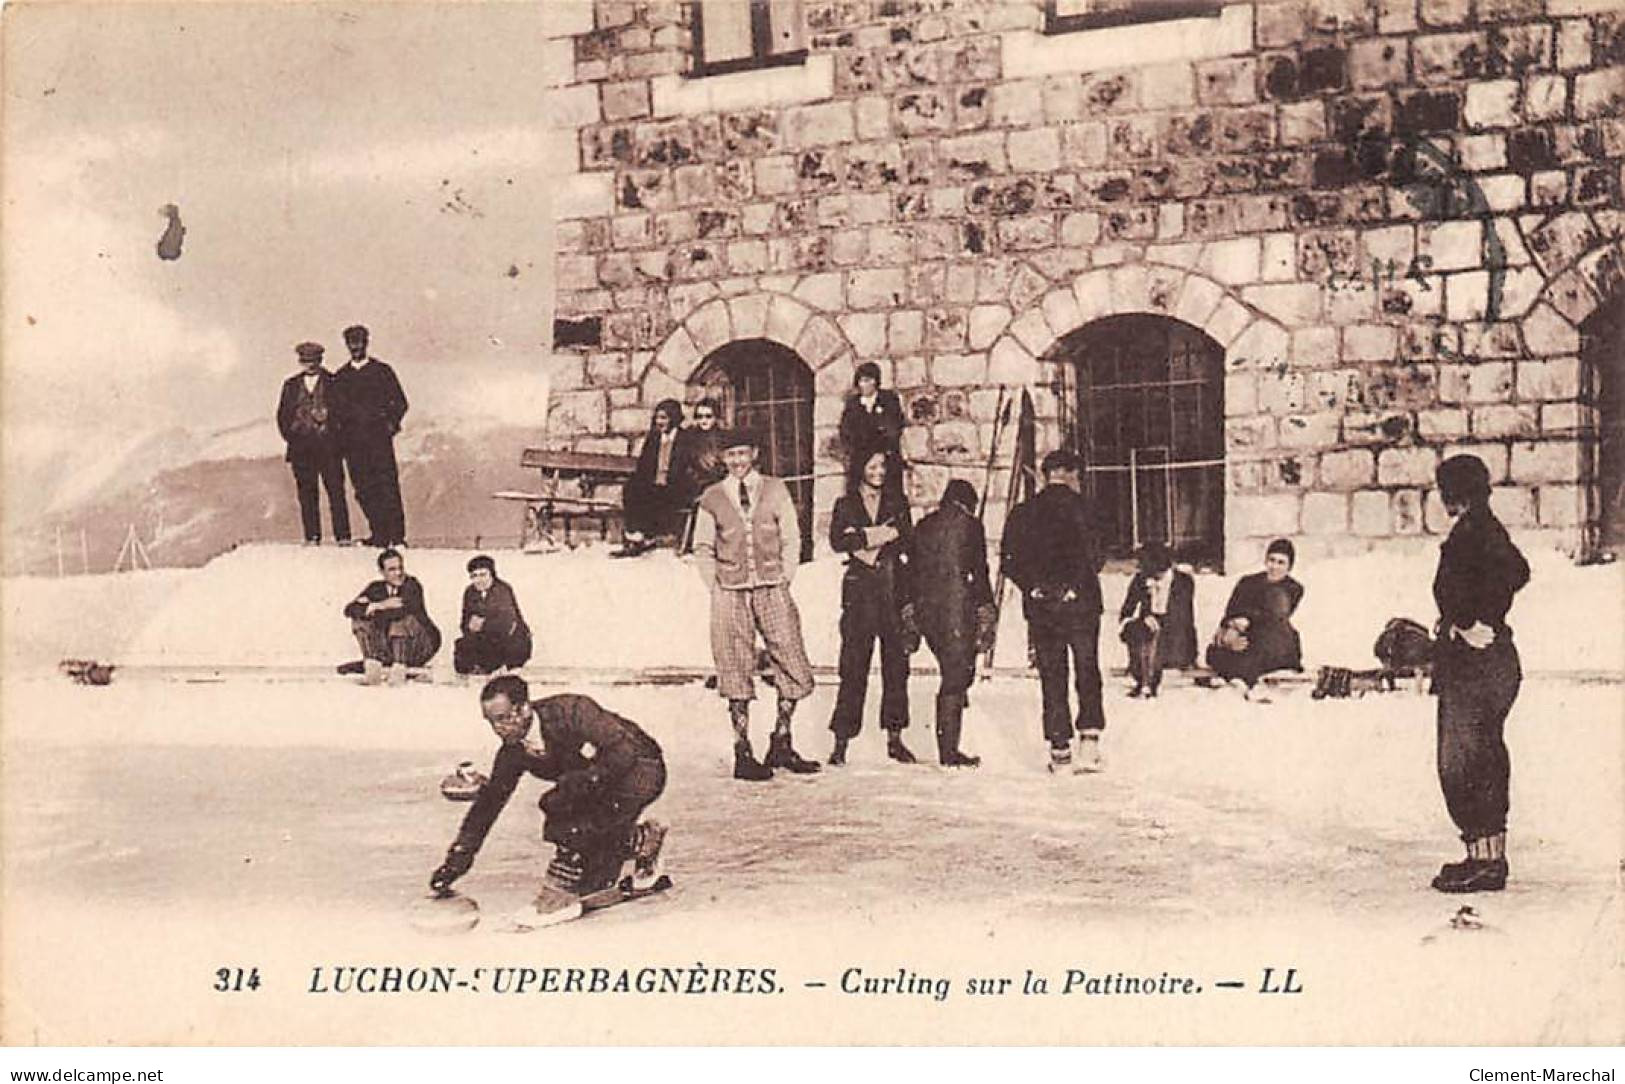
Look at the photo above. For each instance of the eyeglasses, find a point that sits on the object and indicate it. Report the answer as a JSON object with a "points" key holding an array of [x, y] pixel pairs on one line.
{"points": [[705, 417]]}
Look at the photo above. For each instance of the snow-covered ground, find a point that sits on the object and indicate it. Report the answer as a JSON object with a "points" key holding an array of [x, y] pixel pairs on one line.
{"points": [[159, 829]]}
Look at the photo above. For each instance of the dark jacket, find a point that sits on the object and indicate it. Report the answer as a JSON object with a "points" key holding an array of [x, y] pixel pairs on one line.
{"points": [[949, 573], [1049, 550], [677, 470], [309, 421], [411, 594], [587, 749], [1176, 644], [499, 607], [864, 432], [890, 573], [372, 403], [1272, 642], [1479, 572]]}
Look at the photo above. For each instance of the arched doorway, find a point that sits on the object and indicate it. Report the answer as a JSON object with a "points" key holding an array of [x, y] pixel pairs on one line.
{"points": [[1602, 359], [769, 389], [1143, 406]]}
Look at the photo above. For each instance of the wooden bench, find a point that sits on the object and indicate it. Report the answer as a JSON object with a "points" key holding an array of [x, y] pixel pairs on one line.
{"points": [[569, 484]]}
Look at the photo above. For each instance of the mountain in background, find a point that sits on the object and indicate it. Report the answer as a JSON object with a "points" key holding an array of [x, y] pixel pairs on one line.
{"points": [[192, 496]]}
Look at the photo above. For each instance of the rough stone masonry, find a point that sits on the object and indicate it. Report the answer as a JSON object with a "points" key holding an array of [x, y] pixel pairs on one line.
{"points": [[1395, 217]]}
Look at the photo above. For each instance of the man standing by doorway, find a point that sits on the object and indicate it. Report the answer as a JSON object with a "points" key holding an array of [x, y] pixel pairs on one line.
{"points": [[1049, 552], [747, 542], [307, 417], [374, 405]]}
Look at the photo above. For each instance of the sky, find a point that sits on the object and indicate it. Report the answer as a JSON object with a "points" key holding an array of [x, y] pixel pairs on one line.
{"points": [[372, 163]]}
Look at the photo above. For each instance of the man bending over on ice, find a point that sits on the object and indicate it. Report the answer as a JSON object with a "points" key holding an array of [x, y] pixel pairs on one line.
{"points": [[606, 771]]}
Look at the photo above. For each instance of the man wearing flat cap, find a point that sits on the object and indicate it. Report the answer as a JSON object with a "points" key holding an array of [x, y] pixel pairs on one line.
{"points": [[373, 406], [308, 421], [747, 543]]}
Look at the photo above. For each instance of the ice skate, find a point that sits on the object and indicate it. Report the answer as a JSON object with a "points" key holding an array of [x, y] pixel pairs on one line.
{"points": [[1474, 875], [781, 754], [837, 755], [551, 906], [1060, 759], [897, 750], [1087, 759], [397, 675], [953, 758], [372, 672], [648, 838]]}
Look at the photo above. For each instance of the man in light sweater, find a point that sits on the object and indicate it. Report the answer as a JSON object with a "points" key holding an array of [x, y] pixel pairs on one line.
{"points": [[747, 543]]}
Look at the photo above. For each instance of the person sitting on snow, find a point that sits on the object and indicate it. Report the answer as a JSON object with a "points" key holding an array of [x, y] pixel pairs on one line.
{"points": [[495, 636], [606, 771], [1158, 619], [1256, 635], [391, 623]]}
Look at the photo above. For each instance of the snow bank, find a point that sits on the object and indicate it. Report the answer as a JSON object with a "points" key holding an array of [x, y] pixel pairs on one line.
{"points": [[280, 605]]}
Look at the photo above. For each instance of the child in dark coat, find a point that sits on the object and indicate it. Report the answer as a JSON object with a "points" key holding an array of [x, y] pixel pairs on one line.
{"points": [[1159, 619], [1256, 635]]}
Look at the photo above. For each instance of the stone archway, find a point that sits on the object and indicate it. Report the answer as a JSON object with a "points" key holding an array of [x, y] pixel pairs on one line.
{"points": [[787, 324], [1573, 336]]}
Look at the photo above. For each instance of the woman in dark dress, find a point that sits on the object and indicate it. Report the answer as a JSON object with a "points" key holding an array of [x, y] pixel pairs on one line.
{"points": [[1256, 635], [658, 489], [872, 526], [1476, 673], [1159, 619]]}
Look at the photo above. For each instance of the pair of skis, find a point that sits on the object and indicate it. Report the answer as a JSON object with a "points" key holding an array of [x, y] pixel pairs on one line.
{"points": [[1023, 483]]}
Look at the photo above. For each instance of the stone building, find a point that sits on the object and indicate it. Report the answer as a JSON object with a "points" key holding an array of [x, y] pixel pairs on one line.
{"points": [[1262, 264]]}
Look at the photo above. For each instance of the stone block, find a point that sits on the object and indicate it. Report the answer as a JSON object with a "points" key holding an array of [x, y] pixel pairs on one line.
{"points": [[876, 288], [1246, 435], [1599, 94], [1573, 44], [1535, 462], [1378, 62], [1370, 342], [1263, 515], [1035, 150], [1452, 246], [1514, 506], [1547, 333], [822, 125], [625, 101], [1370, 516], [1264, 344], [1506, 420], [905, 332], [1231, 81], [1439, 58], [577, 412], [1349, 469], [1550, 380], [958, 370], [1234, 262], [1441, 424], [1493, 104], [1561, 506], [1310, 430], [1406, 466], [1325, 513]]}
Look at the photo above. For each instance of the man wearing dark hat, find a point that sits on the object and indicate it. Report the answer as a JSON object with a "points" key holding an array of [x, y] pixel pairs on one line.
{"points": [[1049, 552], [747, 542], [373, 406], [306, 416], [953, 606], [1476, 673]]}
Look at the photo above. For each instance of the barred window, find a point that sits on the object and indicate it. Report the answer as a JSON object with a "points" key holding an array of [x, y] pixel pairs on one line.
{"points": [[1065, 16], [738, 35]]}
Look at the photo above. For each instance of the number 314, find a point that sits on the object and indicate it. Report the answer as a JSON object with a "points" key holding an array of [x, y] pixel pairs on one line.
{"points": [[234, 980]]}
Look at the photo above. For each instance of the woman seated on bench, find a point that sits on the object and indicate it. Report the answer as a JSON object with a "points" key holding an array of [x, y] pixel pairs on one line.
{"points": [[1256, 635], [658, 489]]}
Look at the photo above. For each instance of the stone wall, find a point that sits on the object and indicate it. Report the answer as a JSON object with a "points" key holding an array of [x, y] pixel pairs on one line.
{"points": [[1392, 214]]}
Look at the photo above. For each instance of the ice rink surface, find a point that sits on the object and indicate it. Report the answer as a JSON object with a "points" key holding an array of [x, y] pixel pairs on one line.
{"points": [[159, 829]]}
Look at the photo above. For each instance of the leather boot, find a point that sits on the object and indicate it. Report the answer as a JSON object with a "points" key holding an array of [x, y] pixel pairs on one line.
{"points": [[897, 750], [950, 719], [837, 756], [746, 766], [781, 754]]}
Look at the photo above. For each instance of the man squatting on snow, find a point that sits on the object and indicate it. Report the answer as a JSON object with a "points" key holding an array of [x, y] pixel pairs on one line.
{"points": [[607, 770], [747, 544], [1476, 673], [391, 623]]}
